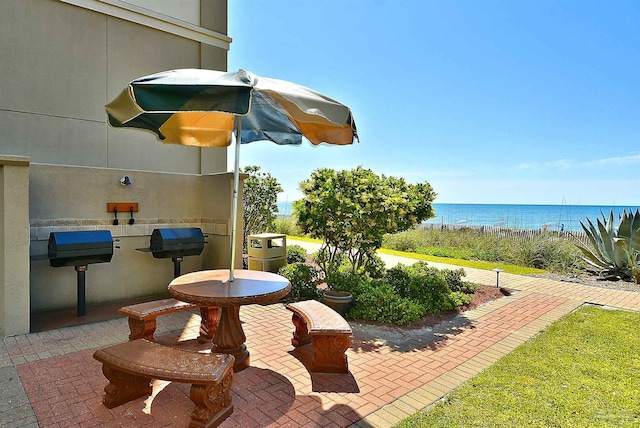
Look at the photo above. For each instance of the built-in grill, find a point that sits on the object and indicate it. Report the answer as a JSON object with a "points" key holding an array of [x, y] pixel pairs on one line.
{"points": [[176, 243], [79, 249]]}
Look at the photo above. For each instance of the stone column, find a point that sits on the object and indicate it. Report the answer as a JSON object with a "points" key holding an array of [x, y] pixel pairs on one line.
{"points": [[14, 245]]}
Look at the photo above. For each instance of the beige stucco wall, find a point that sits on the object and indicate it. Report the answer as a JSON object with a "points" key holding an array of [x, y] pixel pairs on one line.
{"points": [[64, 198], [62, 61], [14, 245], [62, 64]]}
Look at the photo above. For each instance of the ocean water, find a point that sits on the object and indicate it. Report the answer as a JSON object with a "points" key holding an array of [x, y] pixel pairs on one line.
{"points": [[552, 217]]}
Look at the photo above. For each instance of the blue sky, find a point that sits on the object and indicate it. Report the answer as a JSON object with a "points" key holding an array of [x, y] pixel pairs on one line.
{"points": [[523, 102]]}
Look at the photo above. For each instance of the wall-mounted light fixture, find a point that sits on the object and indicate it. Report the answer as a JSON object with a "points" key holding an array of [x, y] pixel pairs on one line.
{"points": [[125, 181]]}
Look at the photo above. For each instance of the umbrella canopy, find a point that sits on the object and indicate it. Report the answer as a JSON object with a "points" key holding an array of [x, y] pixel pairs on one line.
{"points": [[203, 108]]}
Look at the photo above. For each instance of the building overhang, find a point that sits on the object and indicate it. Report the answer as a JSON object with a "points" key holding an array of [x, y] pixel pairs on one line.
{"points": [[152, 19]]}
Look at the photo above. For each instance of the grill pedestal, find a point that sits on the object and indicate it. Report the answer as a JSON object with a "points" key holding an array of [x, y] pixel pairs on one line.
{"points": [[81, 304], [176, 266], [79, 249]]}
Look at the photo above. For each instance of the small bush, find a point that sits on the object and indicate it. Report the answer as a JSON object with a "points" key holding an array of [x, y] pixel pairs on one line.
{"points": [[375, 267], [303, 280], [455, 299], [421, 284], [455, 282], [377, 301], [435, 289], [296, 254], [345, 280]]}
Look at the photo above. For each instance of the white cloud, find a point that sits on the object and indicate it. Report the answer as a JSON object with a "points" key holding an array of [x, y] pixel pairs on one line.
{"points": [[615, 161], [561, 164]]}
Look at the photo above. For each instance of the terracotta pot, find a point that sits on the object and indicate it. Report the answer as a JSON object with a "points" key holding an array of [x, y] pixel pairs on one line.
{"points": [[339, 301]]}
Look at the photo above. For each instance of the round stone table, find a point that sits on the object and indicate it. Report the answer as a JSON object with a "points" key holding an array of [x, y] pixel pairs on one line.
{"points": [[212, 288]]}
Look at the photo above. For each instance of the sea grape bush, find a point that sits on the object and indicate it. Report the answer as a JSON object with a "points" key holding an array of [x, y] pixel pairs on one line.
{"points": [[351, 211]]}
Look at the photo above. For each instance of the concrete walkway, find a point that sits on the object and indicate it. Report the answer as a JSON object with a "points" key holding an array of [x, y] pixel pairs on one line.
{"points": [[50, 379]]}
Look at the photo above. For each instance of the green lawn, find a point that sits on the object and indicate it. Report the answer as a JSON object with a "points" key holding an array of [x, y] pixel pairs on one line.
{"points": [[583, 371]]}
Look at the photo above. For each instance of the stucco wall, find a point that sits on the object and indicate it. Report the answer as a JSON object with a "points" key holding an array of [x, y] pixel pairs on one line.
{"points": [[14, 245], [61, 65], [62, 61], [75, 198]]}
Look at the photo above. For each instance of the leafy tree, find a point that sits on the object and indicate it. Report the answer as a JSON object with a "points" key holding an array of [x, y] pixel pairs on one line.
{"points": [[351, 211], [260, 196]]}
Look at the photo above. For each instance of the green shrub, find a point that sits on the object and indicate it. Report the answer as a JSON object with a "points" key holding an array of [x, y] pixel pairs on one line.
{"points": [[375, 267], [296, 254], [421, 284], [303, 280], [403, 294], [455, 282], [350, 211], [455, 299], [378, 301], [345, 280]]}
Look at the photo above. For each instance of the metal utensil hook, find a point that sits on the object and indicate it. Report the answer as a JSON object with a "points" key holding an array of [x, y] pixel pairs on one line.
{"points": [[131, 219], [115, 216]]}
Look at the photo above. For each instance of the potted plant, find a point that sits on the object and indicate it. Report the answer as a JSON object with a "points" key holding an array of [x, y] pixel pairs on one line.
{"points": [[341, 285], [339, 301]]}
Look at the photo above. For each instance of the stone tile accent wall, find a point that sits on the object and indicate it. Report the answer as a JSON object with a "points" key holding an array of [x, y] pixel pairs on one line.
{"points": [[40, 229]]}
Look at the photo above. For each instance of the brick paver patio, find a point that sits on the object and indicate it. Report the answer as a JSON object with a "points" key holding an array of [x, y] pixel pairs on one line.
{"points": [[50, 379]]}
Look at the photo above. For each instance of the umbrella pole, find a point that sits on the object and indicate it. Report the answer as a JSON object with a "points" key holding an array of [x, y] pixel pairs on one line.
{"points": [[234, 210]]}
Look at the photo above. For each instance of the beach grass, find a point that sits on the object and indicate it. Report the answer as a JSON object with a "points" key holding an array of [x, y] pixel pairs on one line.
{"points": [[549, 251], [478, 264], [582, 371]]}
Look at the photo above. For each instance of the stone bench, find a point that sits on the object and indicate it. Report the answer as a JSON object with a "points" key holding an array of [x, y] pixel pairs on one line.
{"points": [[328, 332], [130, 367], [142, 318]]}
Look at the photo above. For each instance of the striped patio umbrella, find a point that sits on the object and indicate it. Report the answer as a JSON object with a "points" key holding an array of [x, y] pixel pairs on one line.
{"points": [[204, 108]]}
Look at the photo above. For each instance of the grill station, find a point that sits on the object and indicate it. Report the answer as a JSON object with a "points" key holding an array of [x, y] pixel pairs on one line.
{"points": [[79, 249], [176, 243]]}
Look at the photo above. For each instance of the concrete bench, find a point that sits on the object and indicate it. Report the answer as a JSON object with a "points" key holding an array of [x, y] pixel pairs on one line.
{"points": [[328, 332], [130, 367], [142, 318]]}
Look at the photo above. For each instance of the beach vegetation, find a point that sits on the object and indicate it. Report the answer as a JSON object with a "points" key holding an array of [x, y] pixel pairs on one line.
{"points": [[476, 264], [287, 226], [544, 251], [579, 372], [613, 246], [351, 211], [259, 202]]}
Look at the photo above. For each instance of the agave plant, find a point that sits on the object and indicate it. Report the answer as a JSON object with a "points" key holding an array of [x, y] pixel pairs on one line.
{"points": [[613, 250]]}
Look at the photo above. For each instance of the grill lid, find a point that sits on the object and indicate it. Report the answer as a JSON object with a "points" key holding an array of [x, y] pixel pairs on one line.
{"points": [[80, 248], [176, 242]]}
